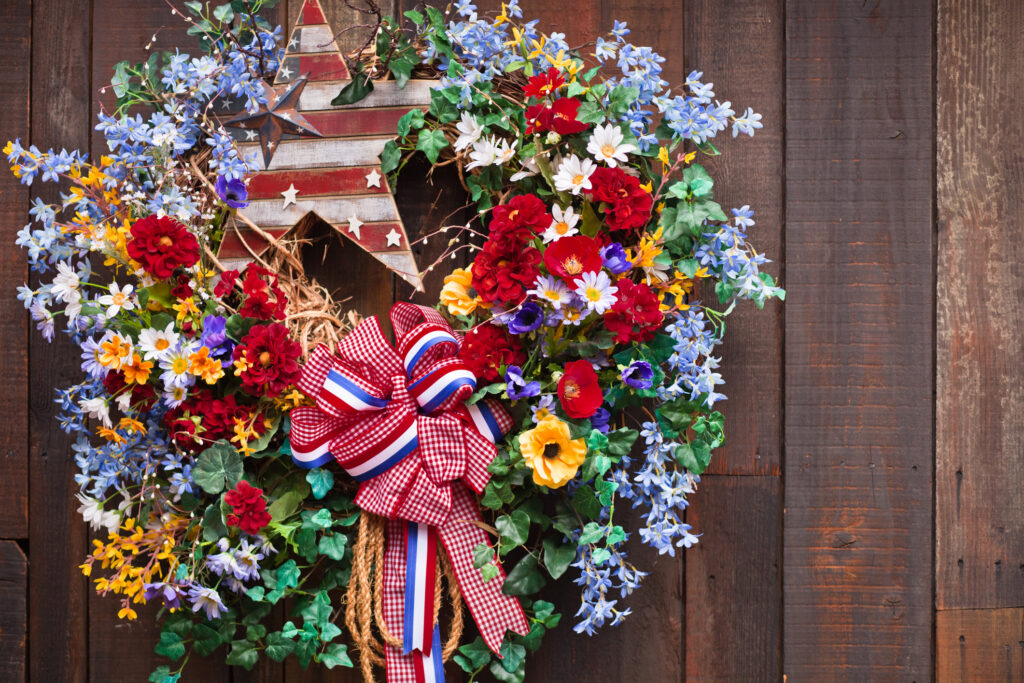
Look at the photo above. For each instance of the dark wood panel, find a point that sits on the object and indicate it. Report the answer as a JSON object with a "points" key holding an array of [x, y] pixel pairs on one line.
{"points": [[740, 48], [858, 396], [60, 117], [15, 56], [979, 645], [13, 617], [733, 580], [979, 555]]}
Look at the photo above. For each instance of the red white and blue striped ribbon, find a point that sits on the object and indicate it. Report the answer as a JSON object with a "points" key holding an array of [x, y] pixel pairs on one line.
{"points": [[430, 667], [485, 421], [422, 341], [420, 566], [434, 388], [345, 394]]}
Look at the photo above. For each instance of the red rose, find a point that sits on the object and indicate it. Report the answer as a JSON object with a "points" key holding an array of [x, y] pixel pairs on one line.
{"points": [[263, 298], [523, 218], [559, 117], [486, 348], [636, 314], [570, 257], [162, 244], [272, 359], [544, 84], [502, 276], [579, 391], [627, 205], [248, 508]]}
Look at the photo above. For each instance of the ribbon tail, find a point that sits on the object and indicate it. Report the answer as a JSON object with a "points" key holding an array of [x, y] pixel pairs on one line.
{"points": [[493, 611], [420, 566], [416, 667]]}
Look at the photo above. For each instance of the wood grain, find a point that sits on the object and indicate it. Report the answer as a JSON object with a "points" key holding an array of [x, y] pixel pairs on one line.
{"points": [[979, 554], [14, 616], [979, 645], [15, 55], [859, 339]]}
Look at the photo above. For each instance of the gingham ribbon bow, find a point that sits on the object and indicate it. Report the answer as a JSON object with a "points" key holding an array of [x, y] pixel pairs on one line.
{"points": [[396, 420]]}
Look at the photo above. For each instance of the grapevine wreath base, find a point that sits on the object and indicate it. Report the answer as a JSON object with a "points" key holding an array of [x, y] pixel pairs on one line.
{"points": [[246, 447]]}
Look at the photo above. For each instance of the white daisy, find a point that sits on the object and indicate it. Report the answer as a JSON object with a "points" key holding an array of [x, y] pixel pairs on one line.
{"points": [[606, 144], [529, 169], [551, 290], [118, 299], [563, 225], [74, 307], [66, 284], [469, 131], [574, 175], [597, 290], [156, 343], [484, 153], [175, 365], [175, 396], [96, 408]]}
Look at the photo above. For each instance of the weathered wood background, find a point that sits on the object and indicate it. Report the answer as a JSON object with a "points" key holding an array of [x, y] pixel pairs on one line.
{"points": [[865, 522]]}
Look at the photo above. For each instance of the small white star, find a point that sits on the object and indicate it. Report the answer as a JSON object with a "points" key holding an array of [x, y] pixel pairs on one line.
{"points": [[270, 144], [353, 226], [289, 195], [373, 179], [286, 116], [284, 72], [225, 104], [394, 239], [294, 42], [251, 135]]}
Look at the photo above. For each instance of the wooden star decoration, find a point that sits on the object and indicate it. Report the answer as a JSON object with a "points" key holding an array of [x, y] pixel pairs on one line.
{"points": [[277, 117], [328, 166]]}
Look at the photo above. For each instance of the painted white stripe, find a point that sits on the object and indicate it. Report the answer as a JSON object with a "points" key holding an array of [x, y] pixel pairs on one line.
{"points": [[423, 340], [420, 586], [335, 210], [317, 153], [317, 38], [318, 95], [441, 383], [395, 446]]}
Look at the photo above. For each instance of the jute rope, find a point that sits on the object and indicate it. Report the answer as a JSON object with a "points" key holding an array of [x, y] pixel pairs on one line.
{"points": [[364, 609]]}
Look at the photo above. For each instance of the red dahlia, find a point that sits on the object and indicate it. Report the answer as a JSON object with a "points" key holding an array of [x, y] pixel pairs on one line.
{"points": [[216, 420], [627, 205], [636, 315], [271, 357], [523, 218], [248, 508], [263, 298], [143, 395], [486, 348], [161, 244], [579, 391], [502, 275], [570, 257]]}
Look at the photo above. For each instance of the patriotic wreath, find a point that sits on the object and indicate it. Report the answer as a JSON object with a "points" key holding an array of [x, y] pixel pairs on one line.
{"points": [[500, 429]]}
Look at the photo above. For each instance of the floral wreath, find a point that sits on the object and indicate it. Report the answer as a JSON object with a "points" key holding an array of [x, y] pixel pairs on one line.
{"points": [[498, 430]]}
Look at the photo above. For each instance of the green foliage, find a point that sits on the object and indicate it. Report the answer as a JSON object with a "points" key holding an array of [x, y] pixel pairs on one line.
{"points": [[217, 466]]}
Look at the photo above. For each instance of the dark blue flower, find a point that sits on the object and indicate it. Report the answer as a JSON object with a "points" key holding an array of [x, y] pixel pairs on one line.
{"points": [[233, 192], [213, 331], [600, 420], [517, 386], [614, 257], [638, 375], [529, 317]]}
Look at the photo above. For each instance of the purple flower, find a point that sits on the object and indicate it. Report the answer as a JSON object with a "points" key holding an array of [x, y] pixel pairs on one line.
{"points": [[638, 375], [233, 192], [517, 386], [206, 599], [529, 317], [213, 331], [600, 420], [169, 592], [614, 257]]}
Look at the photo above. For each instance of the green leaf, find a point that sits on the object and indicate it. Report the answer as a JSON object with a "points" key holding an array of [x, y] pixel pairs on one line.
{"points": [[255, 631], [515, 527], [688, 267], [318, 612], [698, 180], [162, 674], [512, 655], [321, 519], [592, 533], [489, 572], [621, 441], [333, 545], [558, 556], [285, 506], [413, 120], [475, 654], [205, 639], [590, 112], [170, 646], [356, 90], [600, 556], [279, 646], [223, 13], [591, 223], [545, 611], [586, 503], [120, 78], [441, 108], [321, 481], [336, 654], [414, 16], [242, 654], [499, 672], [524, 579], [431, 142], [483, 555], [401, 69], [288, 575], [217, 465], [213, 524], [390, 157], [237, 327]]}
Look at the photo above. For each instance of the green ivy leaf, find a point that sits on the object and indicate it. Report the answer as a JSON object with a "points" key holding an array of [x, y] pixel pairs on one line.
{"points": [[336, 654], [254, 632], [585, 501], [413, 120], [431, 142], [288, 575], [483, 555], [499, 672], [318, 612], [223, 13], [590, 112], [401, 68], [441, 108], [621, 441], [698, 180], [205, 639], [557, 556], [524, 579], [170, 646], [162, 674], [279, 646], [356, 90], [515, 527], [321, 519], [321, 481], [213, 524], [243, 654], [475, 655], [390, 157], [489, 572], [512, 655], [592, 533], [216, 465], [333, 545]]}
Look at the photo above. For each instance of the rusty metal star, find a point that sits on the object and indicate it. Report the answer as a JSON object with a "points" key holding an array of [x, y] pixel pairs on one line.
{"points": [[277, 117]]}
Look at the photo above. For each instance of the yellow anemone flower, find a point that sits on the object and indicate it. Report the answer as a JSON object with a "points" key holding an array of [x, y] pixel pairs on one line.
{"points": [[457, 292], [551, 454]]}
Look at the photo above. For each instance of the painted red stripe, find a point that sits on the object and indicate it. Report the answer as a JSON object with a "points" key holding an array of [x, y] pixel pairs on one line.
{"points": [[374, 236], [366, 121], [322, 66], [323, 181], [312, 13], [231, 246]]}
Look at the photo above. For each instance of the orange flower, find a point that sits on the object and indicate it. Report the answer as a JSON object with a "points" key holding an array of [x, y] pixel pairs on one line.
{"points": [[551, 454]]}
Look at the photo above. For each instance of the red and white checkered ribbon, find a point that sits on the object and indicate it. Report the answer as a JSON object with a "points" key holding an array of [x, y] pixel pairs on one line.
{"points": [[396, 420]]}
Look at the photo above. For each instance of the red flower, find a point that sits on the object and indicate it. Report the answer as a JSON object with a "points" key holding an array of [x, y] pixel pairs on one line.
{"points": [[216, 420], [143, 395], [523, 218], [226, 283], [627, 205], [502, 276], [162, 244], [248, 508], [544, 84], [182, 289], [263, 298], [579, 391], [635, 315], [570, 257], [559, 117], [271, 357], [486, 348]]}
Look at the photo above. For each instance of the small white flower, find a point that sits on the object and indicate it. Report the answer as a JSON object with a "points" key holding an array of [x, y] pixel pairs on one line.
{"points": [[66, 284], [97, 408], [156, 343], [606, 144], [118, 299], [484, 153], [505, 152], [92, 512], [469, 131], [74, 307], [574, 175], [551, 290], [597, 291], [530, 168], [563, 225], [124, 401], [175, 396]]}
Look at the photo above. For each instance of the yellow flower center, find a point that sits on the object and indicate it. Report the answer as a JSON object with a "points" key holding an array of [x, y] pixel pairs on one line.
{"points": [[265, 358], [161, 344], [608, 150], [118, 299], [577, 179], [166, 241], [561, 228], [179, 365], [551, 294], [572, 390], [593, 294], [572, 265]]}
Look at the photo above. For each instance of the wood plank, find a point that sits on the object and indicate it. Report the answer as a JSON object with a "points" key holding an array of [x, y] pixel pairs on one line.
{"points": [[13, 617], [15, 53], [60, 117], [858, 411], [979, 553], [733, 580], [979, 645], [740, 48]]}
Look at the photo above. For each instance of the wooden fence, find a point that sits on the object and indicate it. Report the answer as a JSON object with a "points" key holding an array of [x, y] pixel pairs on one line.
{"points": [[865, 521]]}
